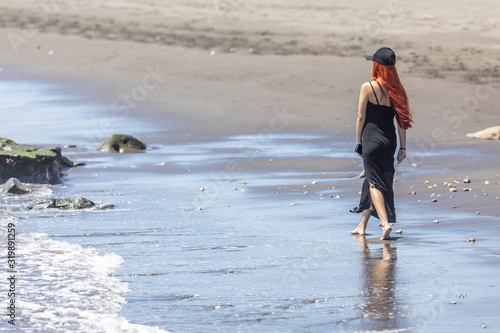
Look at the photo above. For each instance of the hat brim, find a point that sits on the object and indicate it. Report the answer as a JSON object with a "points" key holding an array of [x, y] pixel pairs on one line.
{"points": [[369, 58]]}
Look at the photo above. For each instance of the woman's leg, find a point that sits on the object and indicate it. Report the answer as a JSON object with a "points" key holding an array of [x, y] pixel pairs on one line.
{"points": [[378, 202], [365, 216]]}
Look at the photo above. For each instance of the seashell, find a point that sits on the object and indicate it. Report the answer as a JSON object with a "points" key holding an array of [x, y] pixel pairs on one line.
{"points": [[399, 231], [436, 221], [452, 189], [472, 239]]}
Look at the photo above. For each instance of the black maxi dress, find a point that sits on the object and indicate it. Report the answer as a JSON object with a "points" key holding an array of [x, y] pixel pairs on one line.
{"points": [[379, 146]]}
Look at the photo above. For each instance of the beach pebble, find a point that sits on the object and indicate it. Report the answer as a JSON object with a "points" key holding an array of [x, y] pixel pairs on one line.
{"points": [[306, 192], [162, 163], [413, 193], [472, 239], [434, 200], [435, 221], [199, 209], [95, 173], [231, 180], [478, 213], [337, 196], [366, 315], [453, 302], [462, 296], [314, 182], [391, 224], [399, 231], [466, 180], [212, 52], [486, 182], [414, 165], [331, 196], [291, 204], [433, 195], [271, 160], [467, 189], [484, 326], [426, 182], [304, 185], [452, 189], [202, 189]]}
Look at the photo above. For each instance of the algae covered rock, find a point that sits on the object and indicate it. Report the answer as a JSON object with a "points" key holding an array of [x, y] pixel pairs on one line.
{"points": [[121, 143], [31, 164], [66, 204]]}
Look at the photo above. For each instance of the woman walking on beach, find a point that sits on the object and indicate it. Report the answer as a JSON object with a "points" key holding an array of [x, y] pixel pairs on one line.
{"points": [[379, 102]]}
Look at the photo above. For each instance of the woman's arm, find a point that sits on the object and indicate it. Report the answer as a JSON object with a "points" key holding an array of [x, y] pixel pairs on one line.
{"points": [[402, 144], [363, 99]]}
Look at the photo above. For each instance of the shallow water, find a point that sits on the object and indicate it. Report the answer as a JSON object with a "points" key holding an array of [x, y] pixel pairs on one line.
{"points": [[248, 260]]}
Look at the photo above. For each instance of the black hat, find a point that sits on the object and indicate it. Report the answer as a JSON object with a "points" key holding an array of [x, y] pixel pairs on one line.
{"points": [[384, 56]]}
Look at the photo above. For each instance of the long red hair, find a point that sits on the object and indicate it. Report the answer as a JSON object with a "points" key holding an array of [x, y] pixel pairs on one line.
{"points": [[388, 75]]}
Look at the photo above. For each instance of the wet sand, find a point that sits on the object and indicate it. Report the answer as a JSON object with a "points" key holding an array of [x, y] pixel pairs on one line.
{"points": [[266, 94]]}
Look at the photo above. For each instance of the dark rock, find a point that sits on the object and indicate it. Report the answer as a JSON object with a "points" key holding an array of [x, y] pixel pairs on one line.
{"points": [[14, 186], [31, 164], [66, 204], [121, 143]]}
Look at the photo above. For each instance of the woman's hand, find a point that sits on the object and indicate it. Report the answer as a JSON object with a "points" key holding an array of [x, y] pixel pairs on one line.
{"points": [[401, 155]]}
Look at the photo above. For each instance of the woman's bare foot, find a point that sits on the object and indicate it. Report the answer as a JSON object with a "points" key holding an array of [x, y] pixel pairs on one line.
{"points": [[358, 231], [386, 231]]}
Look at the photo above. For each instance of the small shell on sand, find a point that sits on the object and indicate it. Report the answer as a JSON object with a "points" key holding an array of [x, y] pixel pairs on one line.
{"points": [[202, 189], [466, 180], [291, 204], [486, 182], [162, 163], [472, 239], [314, 182], [426, 182], [414, 165], [435, 221], [199, 209], [399, 231], [413, 193], [452, 189], [366, 315], [467, 189], [434, 200], [453, 302]]}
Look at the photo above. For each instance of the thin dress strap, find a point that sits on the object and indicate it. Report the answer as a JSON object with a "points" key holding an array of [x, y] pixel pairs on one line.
{"points": [[374, 93]]}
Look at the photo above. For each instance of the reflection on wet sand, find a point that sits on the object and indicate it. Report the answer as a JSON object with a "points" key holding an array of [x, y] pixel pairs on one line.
{"points": [[379, 284]]}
